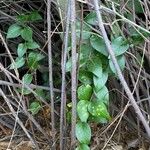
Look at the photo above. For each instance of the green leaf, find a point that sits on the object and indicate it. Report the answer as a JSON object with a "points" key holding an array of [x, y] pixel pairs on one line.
{"points": [[23, 18], [85, 77], [69, 65], [21, 50], [98, 109], [95, 66], [85, 50], [121, 62], [35, 107], [19, 62], [100, 81], [85, 92], [91, 18], [83, 132], [33, 60], [86, 30], [82, 110], [120, 46], [40, 93], [27, 78], [83, 147], [98, 44], [136, 39], [98, 119], [32, 45], [26, 34], [103, 95], [13, 31], [137, 5], [24, 91], [34, 16]]}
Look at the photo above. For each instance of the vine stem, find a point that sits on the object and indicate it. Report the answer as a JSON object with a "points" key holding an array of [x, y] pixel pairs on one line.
{"points": [[50, 70], [74, 70], [120, 75]]}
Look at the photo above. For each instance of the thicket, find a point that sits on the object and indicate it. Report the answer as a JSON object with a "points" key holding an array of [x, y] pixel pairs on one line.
{"points": [[75, 74]]}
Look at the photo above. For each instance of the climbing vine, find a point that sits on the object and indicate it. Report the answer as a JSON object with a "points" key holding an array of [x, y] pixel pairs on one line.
{"points": [[27, 53], [95, 67]]}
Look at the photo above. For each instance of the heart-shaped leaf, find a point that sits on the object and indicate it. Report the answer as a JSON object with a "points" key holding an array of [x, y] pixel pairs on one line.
{"points": [[85, 50], [27, 78], [98, 44], [91, 18], [13, 31], [85, 92], [32, 45], [35, 107], [19, 62], [98, 109], [95, 66], [34, 16], [85, 77], [100, 81], [121, 61], [86, 30], [120, 46], [33, 60], [82, 110], [26, 34], [83, 132], [21, 50], [103, 95]]}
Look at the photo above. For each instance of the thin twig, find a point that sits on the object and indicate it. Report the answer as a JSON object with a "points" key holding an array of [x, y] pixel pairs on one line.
{"points": [[63, 86], [17, 119], [74, 71], [26, 86], [32, 86], [50, 69], [122, 80]]}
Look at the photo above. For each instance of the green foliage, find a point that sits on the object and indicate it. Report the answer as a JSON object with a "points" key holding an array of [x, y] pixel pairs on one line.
{"points": [[83, 132], [21, 50], [86, 30], [85, 92], [35, 107], [119, 45], [85, 77], [29, 17], [14, 31], [27, 78], [33, 60], [91, 18], [26, 34], [83, 147], [100, 81], [98, 109], [95, 66], [121, 62], [19, 62], [82, 110], [22, 30], [32, 45], [98, 44]]}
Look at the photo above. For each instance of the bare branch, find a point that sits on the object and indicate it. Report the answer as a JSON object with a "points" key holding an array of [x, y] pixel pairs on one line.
{"points": [[74, 71], [50, 69]]}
